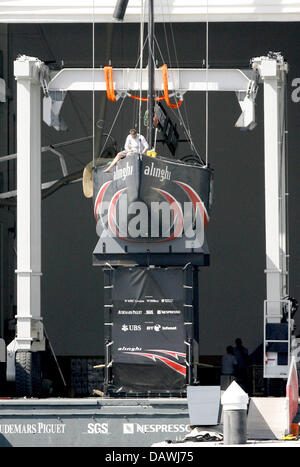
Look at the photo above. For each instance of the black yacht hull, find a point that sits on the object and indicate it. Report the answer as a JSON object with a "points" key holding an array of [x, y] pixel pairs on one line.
{"points": [[147, 199]]}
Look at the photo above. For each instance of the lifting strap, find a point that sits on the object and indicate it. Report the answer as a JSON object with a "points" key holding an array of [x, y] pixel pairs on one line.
{"points": [[166, 91], [108, 73], [145, 99], [112, 96]]}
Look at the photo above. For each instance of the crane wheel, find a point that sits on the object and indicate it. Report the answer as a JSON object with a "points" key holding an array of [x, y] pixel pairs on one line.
{"points": [[28, 374]]}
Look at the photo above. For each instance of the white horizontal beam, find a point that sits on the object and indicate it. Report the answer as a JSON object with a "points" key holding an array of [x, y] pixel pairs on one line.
{"points": [[125, 79], [101, 11]]}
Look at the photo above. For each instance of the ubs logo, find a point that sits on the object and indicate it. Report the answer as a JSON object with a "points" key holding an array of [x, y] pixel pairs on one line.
{"points": [[131, 327]]}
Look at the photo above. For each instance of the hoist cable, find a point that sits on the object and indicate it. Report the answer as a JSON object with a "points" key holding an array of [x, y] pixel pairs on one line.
{"points": [[93, 74]]}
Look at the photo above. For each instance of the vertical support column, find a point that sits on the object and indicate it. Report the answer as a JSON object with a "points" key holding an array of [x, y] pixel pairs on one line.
{"points": [[272, 71], [277, 337], [4, 292], [29, 328], [4, 126], [283, 195]]}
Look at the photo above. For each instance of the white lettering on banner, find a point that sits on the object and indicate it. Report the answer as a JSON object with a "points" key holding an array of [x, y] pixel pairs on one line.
{"points": [[131, 428], [130, 349], [124, 172], [162, 174], [296, 92], [31, 429], [98, 428], [168, 312], [131, 327], [130, 312], [158, 327]]}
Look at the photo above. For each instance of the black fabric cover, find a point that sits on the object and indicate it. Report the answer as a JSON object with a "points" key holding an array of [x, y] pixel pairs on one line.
{"points": [[148, 331]]}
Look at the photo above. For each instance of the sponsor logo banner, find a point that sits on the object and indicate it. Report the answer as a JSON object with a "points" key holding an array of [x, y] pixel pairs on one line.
{"points": [[148, 331], [32, 428], [133, 428]]}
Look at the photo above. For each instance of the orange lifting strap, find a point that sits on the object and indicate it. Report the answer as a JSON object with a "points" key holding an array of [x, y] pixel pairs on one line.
{"points": [[111, 93], [145, 99], [109, 83], [166, 91]]}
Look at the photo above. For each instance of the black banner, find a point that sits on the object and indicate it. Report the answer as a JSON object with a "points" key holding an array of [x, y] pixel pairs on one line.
{"points": [[146, 199], [148, 331]]}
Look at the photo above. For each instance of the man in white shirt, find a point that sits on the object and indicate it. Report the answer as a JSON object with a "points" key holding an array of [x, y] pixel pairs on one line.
{"points": [[134, 143]]}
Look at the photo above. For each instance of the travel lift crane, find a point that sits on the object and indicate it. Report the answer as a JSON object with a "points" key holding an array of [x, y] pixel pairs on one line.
{"points": [[32, 75]]}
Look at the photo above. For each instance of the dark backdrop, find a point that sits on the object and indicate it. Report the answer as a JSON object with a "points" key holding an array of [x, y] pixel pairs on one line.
{"points": [[232, 288]]}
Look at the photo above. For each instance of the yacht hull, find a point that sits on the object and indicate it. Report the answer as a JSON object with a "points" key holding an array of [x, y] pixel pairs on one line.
{"points": [[147, 199]]}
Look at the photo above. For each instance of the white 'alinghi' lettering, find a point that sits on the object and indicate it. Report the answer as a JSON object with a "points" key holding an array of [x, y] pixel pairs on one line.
{"points": [[123, 172], [162, 174]]}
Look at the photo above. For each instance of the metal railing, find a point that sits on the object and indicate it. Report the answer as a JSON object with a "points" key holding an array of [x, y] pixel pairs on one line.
{"points": [[272, 369]]}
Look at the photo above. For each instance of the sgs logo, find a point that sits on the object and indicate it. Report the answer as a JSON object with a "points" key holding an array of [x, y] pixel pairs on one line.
{"points": [[97, 428]]}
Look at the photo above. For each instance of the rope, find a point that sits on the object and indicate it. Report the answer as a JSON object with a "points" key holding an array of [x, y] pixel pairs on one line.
{"points": [[108, 71], [206, 93], [113, 124], [145, 99], [93, 60], [141, 61], [112, 97], [186, 125]]}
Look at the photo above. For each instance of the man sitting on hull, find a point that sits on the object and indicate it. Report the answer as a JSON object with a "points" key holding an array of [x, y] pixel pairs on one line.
{"points": [[134, 143]]}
